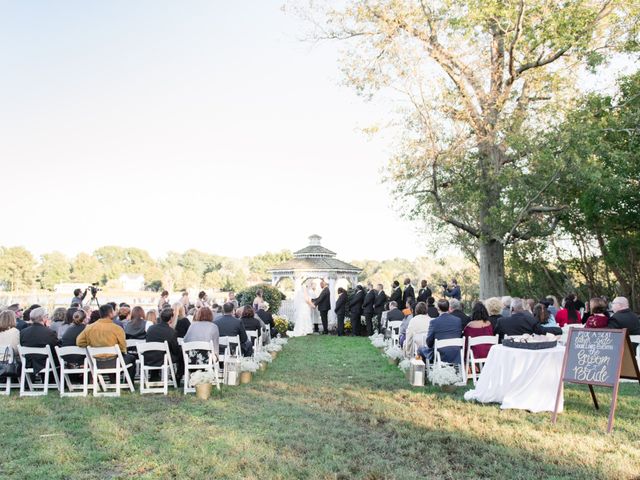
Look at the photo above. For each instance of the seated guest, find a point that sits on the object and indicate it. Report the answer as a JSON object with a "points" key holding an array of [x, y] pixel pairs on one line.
{"points": [[432, 310], [105, 333], [9, 334], [94, 317], [445, 327], [506, 306], [479, 326], [115, 318], [529, 303], [136, 327], [419, 325], [152, 317], [70, 335], [163, 332], [623, 317], [520, 321], [180, 320], [249, 320], [38, 335], [203, 329], [203, 300], [17, 310], [553, 305], [266, 316], [494, 309], [597, 317], [68, 321], [568, 314], [394, 314], [408, 308], [229, 326], [57, 319], [455, 308], [544, 318]]}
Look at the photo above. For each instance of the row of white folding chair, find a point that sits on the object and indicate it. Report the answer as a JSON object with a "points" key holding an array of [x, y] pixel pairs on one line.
{"points": [[9, 383], [451, 342], [211, 365], [472, 360]]}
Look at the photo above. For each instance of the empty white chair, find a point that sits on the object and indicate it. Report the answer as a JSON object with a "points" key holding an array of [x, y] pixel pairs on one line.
{"points": [[452, 342], [211, 364], [229, 351], [99, 369], [636, 339], [67, 369], [36, 389], [166, 368], [7, 354], [472, 360], [394, 326]]}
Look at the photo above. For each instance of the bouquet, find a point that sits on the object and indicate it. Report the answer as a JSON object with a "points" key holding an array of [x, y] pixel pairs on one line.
{"points": [[379, 342], [201, 377], [279, 341], [394, 352], [405, 365], [444, 374], [263, 356], [249, 365], [273, 347]]}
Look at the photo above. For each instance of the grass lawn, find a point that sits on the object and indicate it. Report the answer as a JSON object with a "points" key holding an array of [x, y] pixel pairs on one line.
{"points": [[327, 408]]}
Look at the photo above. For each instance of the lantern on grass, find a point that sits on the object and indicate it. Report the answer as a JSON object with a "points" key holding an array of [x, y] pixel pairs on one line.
{"points": [[232, 371], [417, 372]]}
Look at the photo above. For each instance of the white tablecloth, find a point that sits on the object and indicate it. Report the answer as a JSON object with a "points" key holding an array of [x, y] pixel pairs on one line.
{"points": [[519, 378]]}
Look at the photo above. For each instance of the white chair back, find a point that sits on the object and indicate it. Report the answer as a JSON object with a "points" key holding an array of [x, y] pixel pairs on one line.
{"points": [[211, 365], [166, 369], [74, 390], [451, 342], [9, 384], [474, 362], [100, 387], [25, 376]]}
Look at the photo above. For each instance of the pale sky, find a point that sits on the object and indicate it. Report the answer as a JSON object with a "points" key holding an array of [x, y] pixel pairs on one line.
{"points": [[148, 123]]}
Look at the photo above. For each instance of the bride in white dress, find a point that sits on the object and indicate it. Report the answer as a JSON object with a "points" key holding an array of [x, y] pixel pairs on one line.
{"points": [[303, 308]]}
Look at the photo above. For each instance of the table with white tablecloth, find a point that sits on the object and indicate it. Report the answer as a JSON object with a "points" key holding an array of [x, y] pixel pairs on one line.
{"points": [[520, 378]]}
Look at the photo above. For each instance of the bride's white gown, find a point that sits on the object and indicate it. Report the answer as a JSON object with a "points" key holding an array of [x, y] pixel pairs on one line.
{"points": [[303, 314]]}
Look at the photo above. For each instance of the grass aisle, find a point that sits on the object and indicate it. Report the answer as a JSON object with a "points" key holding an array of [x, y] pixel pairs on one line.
{"points": [[327, 408]]}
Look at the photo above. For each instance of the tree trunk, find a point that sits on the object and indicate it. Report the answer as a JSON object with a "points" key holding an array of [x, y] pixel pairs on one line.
{"points": [[491, 269]]}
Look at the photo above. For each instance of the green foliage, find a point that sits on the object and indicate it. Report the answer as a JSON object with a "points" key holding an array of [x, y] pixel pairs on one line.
{"points": [[271, 294], [281, 324], [54, 268], [17, 268], [259, 264], [87, 268]]}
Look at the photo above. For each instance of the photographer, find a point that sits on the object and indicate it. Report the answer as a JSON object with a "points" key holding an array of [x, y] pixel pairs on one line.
{"points": [[78, 297], [452, 291]]}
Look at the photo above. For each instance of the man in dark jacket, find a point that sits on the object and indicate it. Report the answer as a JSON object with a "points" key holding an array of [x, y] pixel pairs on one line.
{"points": [[408, 292], [445, 327], [379, 305], [455, 308], [424, 293], [368, 308], [396, 293], [323, 304], [520, 322], [341, 309], [230, 326], [623, 317], [39, 335], [355, 310], [163, 332], [267, 317]]}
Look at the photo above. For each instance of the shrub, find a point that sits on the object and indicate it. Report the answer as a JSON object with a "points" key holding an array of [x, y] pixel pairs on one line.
{"points": [[281, 324], [271, 294]]}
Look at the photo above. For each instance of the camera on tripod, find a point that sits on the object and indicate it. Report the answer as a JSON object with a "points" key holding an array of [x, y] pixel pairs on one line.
{"points": [[93, 288]]}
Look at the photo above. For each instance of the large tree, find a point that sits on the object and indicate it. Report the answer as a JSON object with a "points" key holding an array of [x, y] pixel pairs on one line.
{"points": [[17, 268], [478, 77]]}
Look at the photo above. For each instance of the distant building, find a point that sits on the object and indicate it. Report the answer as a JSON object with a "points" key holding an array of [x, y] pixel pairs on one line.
{"points": [[132, 282]]}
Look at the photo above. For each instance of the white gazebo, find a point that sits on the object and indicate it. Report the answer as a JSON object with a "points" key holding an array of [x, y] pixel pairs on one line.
{"points": [[316, 262]]}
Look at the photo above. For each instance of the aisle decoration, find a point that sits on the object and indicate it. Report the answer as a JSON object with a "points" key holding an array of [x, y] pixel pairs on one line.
{"points": [[203, 381], [394, 354], [248, 367]]}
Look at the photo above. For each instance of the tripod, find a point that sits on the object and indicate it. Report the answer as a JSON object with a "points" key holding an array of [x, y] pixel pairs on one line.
{"points": [[94, 297]]}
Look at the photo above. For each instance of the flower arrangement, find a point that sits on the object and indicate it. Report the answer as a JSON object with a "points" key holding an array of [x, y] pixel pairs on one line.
{"points": [[263, 356], [281, 324], [405, 365], [379, 342], [444, 374], [273, 347], [394, 352], [280, 341], [249, 365], [201, 377], [374, 336]]}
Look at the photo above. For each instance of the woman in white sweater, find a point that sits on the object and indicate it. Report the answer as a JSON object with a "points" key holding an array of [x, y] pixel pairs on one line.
{"points": [[418, 325], [9, 334]]}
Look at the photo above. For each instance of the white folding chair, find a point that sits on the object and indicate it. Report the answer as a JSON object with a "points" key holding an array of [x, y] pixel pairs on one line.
{"points": [[394, 326], [166, 368], [472, 360], [9, 383], [180, 341], [66, 370], [211, 365], [452, 342], [636, 339], [256, 339], [226, 342], [25, 377], [98, 372], [419, 340], [132, 343]]}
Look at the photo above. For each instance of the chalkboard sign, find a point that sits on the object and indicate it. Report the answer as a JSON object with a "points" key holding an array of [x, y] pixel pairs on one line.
{"points": [[594, 356], [597, 357]]}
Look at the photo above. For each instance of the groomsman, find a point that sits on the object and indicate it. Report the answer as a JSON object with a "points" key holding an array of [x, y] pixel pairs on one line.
{"points": [[323, 303], [368, 308], [408, 292], [355, 310], [424, 293], [379, 305], [396, 293], [341, 309]]}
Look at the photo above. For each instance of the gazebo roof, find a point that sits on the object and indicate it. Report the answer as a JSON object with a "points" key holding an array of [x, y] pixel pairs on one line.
{"points": [[315, 257]]}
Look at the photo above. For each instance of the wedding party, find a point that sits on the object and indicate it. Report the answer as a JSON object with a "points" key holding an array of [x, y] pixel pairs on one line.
{"points": [[295, 239]]}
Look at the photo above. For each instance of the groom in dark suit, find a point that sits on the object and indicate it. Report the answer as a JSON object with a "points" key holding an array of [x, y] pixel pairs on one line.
{"points": [[368, 308], [323, 304]]}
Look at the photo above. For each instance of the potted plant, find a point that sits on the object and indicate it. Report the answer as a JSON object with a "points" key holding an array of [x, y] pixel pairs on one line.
{"points": [[394, 354], [445, 376], [248, 367], [203, 381], [263, 358]]}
